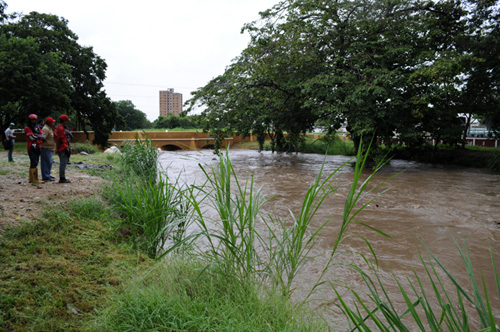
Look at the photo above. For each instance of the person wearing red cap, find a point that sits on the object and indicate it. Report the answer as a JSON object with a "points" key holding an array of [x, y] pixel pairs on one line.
{"points": [[34, 140], [48, 148], [62, 147]]}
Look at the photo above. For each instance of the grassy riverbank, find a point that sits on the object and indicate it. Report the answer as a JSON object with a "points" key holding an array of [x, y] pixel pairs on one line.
{"points": [[74, 267], [119, 258]]}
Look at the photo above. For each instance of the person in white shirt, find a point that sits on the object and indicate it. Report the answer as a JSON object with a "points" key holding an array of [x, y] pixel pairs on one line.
{"points": [[10, 138]]}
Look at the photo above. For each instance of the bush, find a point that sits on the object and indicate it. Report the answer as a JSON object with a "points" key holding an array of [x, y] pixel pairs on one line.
{"points": [[83, 147]]}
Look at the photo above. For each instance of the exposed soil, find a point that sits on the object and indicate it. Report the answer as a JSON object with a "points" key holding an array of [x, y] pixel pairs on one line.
{"points": [[22, 201]]}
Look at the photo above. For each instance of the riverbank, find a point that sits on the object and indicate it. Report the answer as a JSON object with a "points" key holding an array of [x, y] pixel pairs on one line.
{"points": [[80, 266], [61, 259], [68, 265]]}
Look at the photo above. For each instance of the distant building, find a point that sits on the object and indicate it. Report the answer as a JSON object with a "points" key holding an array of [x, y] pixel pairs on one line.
{"points": [[170, 102]]}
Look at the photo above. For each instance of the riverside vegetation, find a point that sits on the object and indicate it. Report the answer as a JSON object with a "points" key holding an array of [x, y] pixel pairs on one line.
{"points": [[127, 262]]}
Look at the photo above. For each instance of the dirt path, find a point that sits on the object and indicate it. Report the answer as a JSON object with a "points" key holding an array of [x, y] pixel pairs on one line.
{"points": [[22, 201]]}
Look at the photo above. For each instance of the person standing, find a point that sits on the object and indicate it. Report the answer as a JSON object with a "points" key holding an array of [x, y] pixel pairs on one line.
{"points": [[62, 147], [39, 124], [34, 139], [9, 136], [48, 148]]}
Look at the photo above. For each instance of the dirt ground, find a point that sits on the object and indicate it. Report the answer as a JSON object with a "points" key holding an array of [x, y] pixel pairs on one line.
{"points": [[22, 201]]}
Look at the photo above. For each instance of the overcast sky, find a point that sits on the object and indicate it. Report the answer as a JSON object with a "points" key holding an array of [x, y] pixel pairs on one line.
{"points": [[152, 45]]}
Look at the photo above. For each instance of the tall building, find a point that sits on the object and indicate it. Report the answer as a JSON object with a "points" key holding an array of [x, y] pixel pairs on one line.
{"points": [[170, 102]]}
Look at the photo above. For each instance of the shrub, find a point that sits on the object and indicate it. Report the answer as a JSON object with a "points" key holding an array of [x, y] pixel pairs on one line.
{"points": [[83, 147]]}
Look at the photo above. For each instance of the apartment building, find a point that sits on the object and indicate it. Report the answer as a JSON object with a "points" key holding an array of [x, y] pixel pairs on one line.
{"points": [[170, 102]]}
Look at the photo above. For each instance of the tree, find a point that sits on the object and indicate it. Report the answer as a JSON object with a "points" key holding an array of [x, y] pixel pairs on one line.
{"points": [[131, 117], [173, 121], [57, 75], [385, 67]]}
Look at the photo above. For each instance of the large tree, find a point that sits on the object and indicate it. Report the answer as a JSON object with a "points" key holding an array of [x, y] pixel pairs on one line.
{"points": [[48, 72], [131, 118], [384, 67]]}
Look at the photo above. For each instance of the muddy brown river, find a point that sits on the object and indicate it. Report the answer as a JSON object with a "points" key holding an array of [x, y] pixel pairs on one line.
{"points": [[428, 203]]}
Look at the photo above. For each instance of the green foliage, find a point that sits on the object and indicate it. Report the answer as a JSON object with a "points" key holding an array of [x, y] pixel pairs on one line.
{"points": [[382, 67], [174, 121], [141, 159], [83, 147], [233, 242], [329, 145], [131, 118], [153, 211], [43, 70], [182, 294]]}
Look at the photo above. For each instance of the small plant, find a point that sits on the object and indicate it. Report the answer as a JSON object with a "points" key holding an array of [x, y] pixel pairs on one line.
{"points": [[83, 147], [89, 209]]}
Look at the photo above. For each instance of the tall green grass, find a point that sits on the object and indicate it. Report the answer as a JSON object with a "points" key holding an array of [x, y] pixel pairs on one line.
{"points": [[183, 294], [432, 308], [154, 209], [329, 145], [140, 158], [232, 238]]}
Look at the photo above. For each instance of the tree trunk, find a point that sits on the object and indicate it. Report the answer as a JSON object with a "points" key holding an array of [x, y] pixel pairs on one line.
{"points": [[466, 129]]}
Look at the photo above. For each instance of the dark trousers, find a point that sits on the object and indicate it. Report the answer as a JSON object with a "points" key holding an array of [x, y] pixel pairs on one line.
{"points": [[63, 161], [34, 158], [11, 150]]}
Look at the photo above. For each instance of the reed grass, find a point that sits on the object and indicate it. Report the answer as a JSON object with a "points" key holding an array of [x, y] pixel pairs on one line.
{"points": [[231, 237], [434, 308], [140, 158], [153, 211], [228, 247]]}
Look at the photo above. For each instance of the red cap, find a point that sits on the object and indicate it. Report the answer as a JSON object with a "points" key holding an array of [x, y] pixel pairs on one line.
{"points": [[64, 117], [32, 116], [49, 120]]}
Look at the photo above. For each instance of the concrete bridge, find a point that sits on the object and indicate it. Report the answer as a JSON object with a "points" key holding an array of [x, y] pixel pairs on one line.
{"points": [[176, 140], [168, 141]]}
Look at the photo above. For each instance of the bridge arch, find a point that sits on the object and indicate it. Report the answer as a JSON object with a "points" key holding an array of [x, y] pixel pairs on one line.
{"points": [[170, 147], [208, 147]]}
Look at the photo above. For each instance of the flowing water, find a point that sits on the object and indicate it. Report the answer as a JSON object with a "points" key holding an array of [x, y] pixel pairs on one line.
{"points": [[424, 204]]}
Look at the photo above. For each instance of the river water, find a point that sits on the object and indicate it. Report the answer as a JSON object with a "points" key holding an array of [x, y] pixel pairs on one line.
{"points": [[424, 204]]}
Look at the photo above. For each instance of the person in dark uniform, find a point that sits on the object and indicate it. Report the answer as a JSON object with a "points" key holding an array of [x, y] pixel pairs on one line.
{"points": [[62, 147], [34, 140]]}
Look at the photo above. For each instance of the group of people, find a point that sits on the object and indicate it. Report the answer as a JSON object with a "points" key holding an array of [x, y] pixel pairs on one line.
{"points": [[42, 141]]}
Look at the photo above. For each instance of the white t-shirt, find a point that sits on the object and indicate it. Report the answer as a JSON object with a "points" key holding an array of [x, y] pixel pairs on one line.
{"points": [[8, 133]]}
